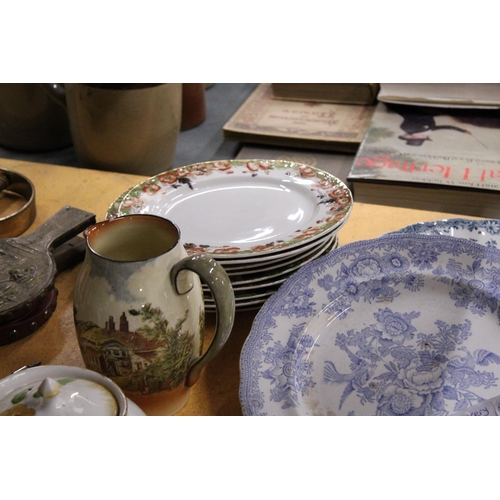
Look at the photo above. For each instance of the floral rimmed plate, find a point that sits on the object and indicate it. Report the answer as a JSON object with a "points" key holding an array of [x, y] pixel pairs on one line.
{"points": [[271, 279], [265, 260], [287, 263], [486, 232], [270, 274], [251, 305], [405, 324], [242, 207]]}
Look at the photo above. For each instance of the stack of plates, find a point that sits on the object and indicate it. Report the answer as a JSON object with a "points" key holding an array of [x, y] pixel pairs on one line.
{"points": [[254, 279], [261, 219]]}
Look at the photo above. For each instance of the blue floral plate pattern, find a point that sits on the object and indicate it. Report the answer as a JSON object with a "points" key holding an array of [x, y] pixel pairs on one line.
{"points": [[405, 324], [486, 232]]}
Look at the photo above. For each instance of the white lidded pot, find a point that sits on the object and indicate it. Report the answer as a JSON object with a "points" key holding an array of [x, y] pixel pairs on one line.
{"points": [[54, 390]]}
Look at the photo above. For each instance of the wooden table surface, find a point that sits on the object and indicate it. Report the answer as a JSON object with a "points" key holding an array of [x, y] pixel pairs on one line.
{"points": [[216, 393]]}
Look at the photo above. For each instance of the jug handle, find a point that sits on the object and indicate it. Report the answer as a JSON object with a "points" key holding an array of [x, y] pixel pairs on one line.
{"points": [[214, 275], [56, 92]]}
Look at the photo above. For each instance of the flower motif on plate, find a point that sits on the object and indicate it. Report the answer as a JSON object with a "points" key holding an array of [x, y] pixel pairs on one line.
{"points": [[379, 331], [485, 232]]}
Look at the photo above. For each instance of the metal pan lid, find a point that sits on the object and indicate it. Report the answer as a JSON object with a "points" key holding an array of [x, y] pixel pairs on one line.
{"points": [[19, 220]]}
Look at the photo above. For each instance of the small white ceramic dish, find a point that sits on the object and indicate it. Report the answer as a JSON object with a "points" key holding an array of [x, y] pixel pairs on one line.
{"points": [[405, 324], [134, 410], [54, 390]]}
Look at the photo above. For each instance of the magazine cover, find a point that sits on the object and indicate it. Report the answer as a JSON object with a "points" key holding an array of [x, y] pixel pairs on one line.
{"points": [[431, 146]]}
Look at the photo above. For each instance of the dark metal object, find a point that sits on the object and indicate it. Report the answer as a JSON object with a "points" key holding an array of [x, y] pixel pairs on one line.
{"points": [[31, 322], [65, 256], [16, 223], [69, 254], [27, 266]]}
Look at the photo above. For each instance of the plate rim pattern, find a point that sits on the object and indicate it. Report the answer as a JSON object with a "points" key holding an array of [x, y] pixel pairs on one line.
{"points": [[333, 193]]}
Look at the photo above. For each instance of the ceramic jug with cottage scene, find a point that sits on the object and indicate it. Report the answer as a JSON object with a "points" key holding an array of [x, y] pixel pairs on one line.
{"points": [[139, 310]]}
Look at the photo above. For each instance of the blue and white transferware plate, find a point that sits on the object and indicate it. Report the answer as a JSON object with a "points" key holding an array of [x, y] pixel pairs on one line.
{"points": [[405, 324], [485, 232]]}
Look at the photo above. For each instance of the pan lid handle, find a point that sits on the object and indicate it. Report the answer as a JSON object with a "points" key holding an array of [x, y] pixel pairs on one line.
{"points": [[62, 226]]}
